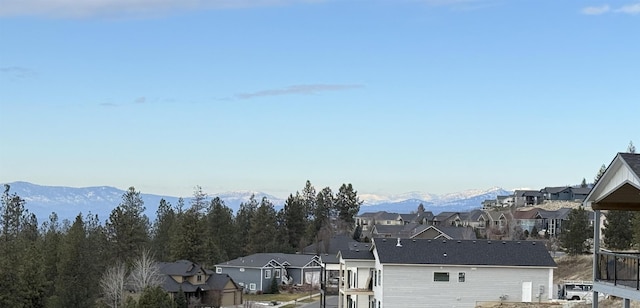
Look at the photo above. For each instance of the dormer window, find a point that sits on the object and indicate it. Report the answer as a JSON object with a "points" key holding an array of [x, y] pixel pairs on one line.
{"points": [[199, 278]]}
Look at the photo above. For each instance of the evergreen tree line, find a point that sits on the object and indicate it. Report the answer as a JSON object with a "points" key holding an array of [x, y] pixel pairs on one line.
{"points": [[61, 264]]}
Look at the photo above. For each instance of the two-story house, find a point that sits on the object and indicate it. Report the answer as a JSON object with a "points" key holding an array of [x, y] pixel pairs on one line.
{"points": [[442, 273], [200, 285]]}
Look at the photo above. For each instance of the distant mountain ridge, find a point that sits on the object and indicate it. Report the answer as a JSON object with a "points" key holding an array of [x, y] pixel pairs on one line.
{"points": [[67, 202]]}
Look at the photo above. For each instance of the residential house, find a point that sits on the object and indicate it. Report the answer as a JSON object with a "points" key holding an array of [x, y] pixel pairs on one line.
{"points": [[443, 273], [256, 272], [368, 219], [527, 197], [557, 193], [499, 220], [579, 193], [616, 273], [448, 219], [403, 231], [476, 219], [552, 220], [505, 201], [200, 286], [487, 204], [528, 220]]}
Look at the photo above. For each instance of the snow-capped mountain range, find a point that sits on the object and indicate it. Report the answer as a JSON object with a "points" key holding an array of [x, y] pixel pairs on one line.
{"points": [[68, 202]]}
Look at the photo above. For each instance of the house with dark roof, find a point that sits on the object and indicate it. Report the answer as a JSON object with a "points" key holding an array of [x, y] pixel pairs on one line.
{"points": [[443, 273], [256, 272], [528, 197], [616, 273], [557, 193], [367, 220], [201, 286]]}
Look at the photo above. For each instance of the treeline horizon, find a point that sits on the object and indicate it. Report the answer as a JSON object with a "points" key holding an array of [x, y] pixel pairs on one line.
{"points": [[59, 264]]}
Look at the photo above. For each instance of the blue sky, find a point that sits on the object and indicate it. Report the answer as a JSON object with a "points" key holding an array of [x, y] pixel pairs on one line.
{"points": [[389, 95]]}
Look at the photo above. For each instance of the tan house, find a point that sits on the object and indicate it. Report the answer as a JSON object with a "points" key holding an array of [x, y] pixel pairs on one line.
{"points": [[616, 273], [200, 286]]}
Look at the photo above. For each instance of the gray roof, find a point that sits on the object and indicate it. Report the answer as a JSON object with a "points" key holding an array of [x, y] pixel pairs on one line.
{"points": [[464, 252], [528, 193], [457, 232], [633, 160], [188, 268], [259, 260], [555, 190], [408, 217], [359, 251], [400, 230], [581, 190]]}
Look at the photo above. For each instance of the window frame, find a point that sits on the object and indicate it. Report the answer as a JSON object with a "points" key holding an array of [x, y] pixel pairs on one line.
{"points": [[218, 270], [276, 273], [252, 286], [267, 274], [440, 276], [462, 277]]}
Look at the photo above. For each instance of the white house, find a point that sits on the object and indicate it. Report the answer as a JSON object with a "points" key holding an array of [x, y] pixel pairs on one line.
{"points": [[446, 273]]}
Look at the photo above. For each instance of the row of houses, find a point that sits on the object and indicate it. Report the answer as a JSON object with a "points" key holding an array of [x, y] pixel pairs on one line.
{"points": [[414, 271], [521, 198], [461, 225]]}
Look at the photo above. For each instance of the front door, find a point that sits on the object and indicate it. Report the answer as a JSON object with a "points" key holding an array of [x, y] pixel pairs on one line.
{"points": [[526, 291]]}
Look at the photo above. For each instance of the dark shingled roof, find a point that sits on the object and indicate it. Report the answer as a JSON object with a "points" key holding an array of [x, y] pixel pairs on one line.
{"points": [[360, 251], [187, 268], [633, 160], [464, 252]]}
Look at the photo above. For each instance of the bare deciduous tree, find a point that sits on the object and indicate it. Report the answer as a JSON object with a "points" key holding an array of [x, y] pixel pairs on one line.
{"points": [[112, 284], [145, 272]]}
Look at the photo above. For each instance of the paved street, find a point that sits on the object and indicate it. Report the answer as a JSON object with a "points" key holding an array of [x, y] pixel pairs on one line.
{"points": [[332, 302]]}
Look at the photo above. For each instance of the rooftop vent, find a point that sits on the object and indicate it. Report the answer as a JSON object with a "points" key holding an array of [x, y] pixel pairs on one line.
{"points": [[488, 242], [445, 254], [399, 244], [459, 242], [503, 242]]}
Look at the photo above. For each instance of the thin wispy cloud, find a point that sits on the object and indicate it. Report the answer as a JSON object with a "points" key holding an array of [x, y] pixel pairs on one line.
{"points": [[306, 89], [140, 100], [596, 10], [126, 8], [17, 73], [630, 9]]}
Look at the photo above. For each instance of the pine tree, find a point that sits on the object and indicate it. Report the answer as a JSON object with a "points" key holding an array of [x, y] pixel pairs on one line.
{"points": [[244, 223], [600, 173], [583, 184], [618, 232], [181, 299], [187, 241], [631, 148], [128, 226], [348, 206], [263, 228], [295, 220], [161, 234], [155, 297], [575, 231], [74, 288], [223, 231], [636, 230]]}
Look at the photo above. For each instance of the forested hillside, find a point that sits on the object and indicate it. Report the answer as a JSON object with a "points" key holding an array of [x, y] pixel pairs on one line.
{"points": [[60, 263]]}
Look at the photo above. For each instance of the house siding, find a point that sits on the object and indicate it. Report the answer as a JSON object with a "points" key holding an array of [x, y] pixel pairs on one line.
{"points": [[406, 286], [250, 275]]}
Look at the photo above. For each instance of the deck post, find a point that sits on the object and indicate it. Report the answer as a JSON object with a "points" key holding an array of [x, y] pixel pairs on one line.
{"points": [[596, 249]]}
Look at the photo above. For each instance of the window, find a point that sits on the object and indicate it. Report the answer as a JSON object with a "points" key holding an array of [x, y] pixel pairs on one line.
{"points": [[441, 276], [276, 273], [375, 278], [199, 278], [252, 286], [379, 277], [461, 277], [219, 270], [267, 274]]}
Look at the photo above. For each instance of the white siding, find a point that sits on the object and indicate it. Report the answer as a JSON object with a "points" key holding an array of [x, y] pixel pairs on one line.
{"points": [[413, 286]]}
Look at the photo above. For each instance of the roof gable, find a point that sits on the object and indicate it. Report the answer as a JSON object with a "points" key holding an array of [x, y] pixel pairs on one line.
{"points": [[619, 186]]}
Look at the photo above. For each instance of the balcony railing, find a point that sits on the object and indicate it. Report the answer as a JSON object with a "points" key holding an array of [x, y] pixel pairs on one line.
{"points": [[620, 269]]}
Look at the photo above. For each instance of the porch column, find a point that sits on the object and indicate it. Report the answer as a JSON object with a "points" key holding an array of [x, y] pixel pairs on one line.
{"points": [[340, 290], [626, 303], [596, 250]]}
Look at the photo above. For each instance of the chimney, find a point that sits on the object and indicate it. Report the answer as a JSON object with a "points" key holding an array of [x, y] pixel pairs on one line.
{"points": [[399, 244]]}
